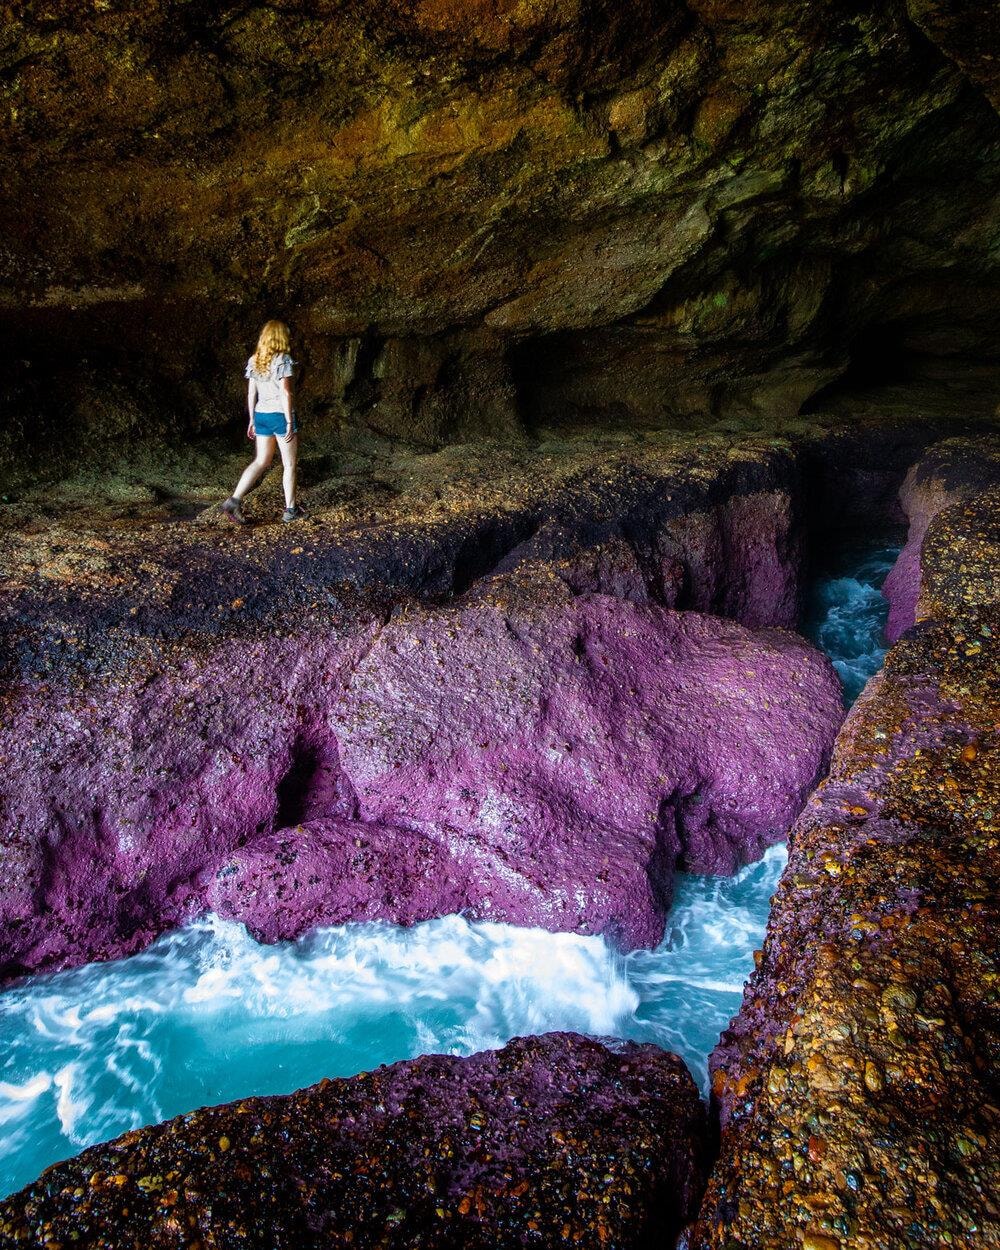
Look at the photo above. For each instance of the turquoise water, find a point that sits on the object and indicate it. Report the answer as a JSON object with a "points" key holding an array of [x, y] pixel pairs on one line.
{"points": [[206, 1014], [846, 614]]}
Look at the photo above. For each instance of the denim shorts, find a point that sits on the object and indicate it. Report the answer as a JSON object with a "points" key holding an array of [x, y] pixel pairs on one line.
{"points": [[268, 424]]}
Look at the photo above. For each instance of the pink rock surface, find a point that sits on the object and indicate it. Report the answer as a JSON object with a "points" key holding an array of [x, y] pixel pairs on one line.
{"points": [[948, 472], [528, 757], [922, 501]]}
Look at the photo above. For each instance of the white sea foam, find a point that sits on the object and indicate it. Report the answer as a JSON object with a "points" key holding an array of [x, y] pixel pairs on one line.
{"points": [[73, 1102], [208, 1014]]}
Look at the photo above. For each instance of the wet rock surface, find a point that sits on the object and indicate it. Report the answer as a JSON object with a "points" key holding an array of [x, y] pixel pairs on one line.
{"points": [[552, 1141], [861, 1062], [547, 764], [528, 756], [210, 712], [947, 473], [857, 1087]]}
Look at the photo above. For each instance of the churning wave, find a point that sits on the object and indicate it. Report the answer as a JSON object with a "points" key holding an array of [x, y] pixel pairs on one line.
{"points": [[207, 1014], [846, 616]]}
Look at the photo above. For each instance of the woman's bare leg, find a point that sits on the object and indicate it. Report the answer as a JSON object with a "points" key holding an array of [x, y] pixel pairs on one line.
{"points": [[257, 468], [289, 449]]}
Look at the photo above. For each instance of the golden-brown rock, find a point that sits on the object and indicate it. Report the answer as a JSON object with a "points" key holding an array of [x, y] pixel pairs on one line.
{"points": [[857, 1085]]}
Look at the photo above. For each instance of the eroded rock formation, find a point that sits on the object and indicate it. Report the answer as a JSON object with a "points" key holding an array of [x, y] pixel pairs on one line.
{"points": [[544, 763], [541, 751], [948, 473], [553, 1140], [483, 218], [858, 1084]]}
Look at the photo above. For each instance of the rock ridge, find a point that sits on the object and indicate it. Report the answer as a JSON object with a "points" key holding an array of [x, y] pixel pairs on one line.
{"points": [[857, 1086]]}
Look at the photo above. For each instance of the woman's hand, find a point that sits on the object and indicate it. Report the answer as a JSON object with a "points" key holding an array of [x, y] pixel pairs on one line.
{"points": [[250, 431]]}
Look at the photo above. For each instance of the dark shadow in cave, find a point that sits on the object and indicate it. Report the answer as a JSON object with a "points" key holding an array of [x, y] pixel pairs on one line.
{"points": [[895, 353], [314, 785]]}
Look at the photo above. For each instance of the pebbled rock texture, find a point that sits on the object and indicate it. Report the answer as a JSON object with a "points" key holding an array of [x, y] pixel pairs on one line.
{"points": [[485, 218], [947, 473], [857, 1086], [552, 1141]]}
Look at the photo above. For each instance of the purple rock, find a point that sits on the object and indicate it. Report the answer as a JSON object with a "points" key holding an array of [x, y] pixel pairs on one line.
{"points": [[922, 501], [333, 871], [529, 757]]}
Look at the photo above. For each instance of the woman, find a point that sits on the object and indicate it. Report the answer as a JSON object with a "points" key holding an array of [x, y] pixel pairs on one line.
{"points": [[272, 419]]}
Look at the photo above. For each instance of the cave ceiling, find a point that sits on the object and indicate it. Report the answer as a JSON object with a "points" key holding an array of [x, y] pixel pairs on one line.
{"points": [[483, 214]]}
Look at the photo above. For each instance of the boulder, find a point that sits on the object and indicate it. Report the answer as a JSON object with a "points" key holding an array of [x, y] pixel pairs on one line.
{"points": [[527, 756], [554, 1140]]}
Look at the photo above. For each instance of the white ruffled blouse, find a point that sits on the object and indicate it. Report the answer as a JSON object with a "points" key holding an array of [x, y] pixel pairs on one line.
{"points": [[269, 388]]}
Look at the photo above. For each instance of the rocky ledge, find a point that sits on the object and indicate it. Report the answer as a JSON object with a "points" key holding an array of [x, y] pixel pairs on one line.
{"points": [[554, 1140], [544, 748], [858, 1085], [948, 473]]}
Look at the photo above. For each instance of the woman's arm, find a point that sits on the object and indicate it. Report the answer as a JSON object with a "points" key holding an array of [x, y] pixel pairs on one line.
{"points": [[286, 405], [251, 401]]}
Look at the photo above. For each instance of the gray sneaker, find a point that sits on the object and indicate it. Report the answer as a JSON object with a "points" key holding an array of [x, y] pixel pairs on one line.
{"points": [[232, 509], [294, 514]]}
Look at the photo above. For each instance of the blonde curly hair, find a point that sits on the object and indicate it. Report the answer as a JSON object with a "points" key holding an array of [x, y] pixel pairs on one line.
{"points": [[275, 338]]}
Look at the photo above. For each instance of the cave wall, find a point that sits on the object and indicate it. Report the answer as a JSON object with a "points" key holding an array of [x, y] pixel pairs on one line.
{"points": [[489, 217]]}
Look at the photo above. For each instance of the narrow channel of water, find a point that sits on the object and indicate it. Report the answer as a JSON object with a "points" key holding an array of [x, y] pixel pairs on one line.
{"points": [[207, 1015], [846, 613]]}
